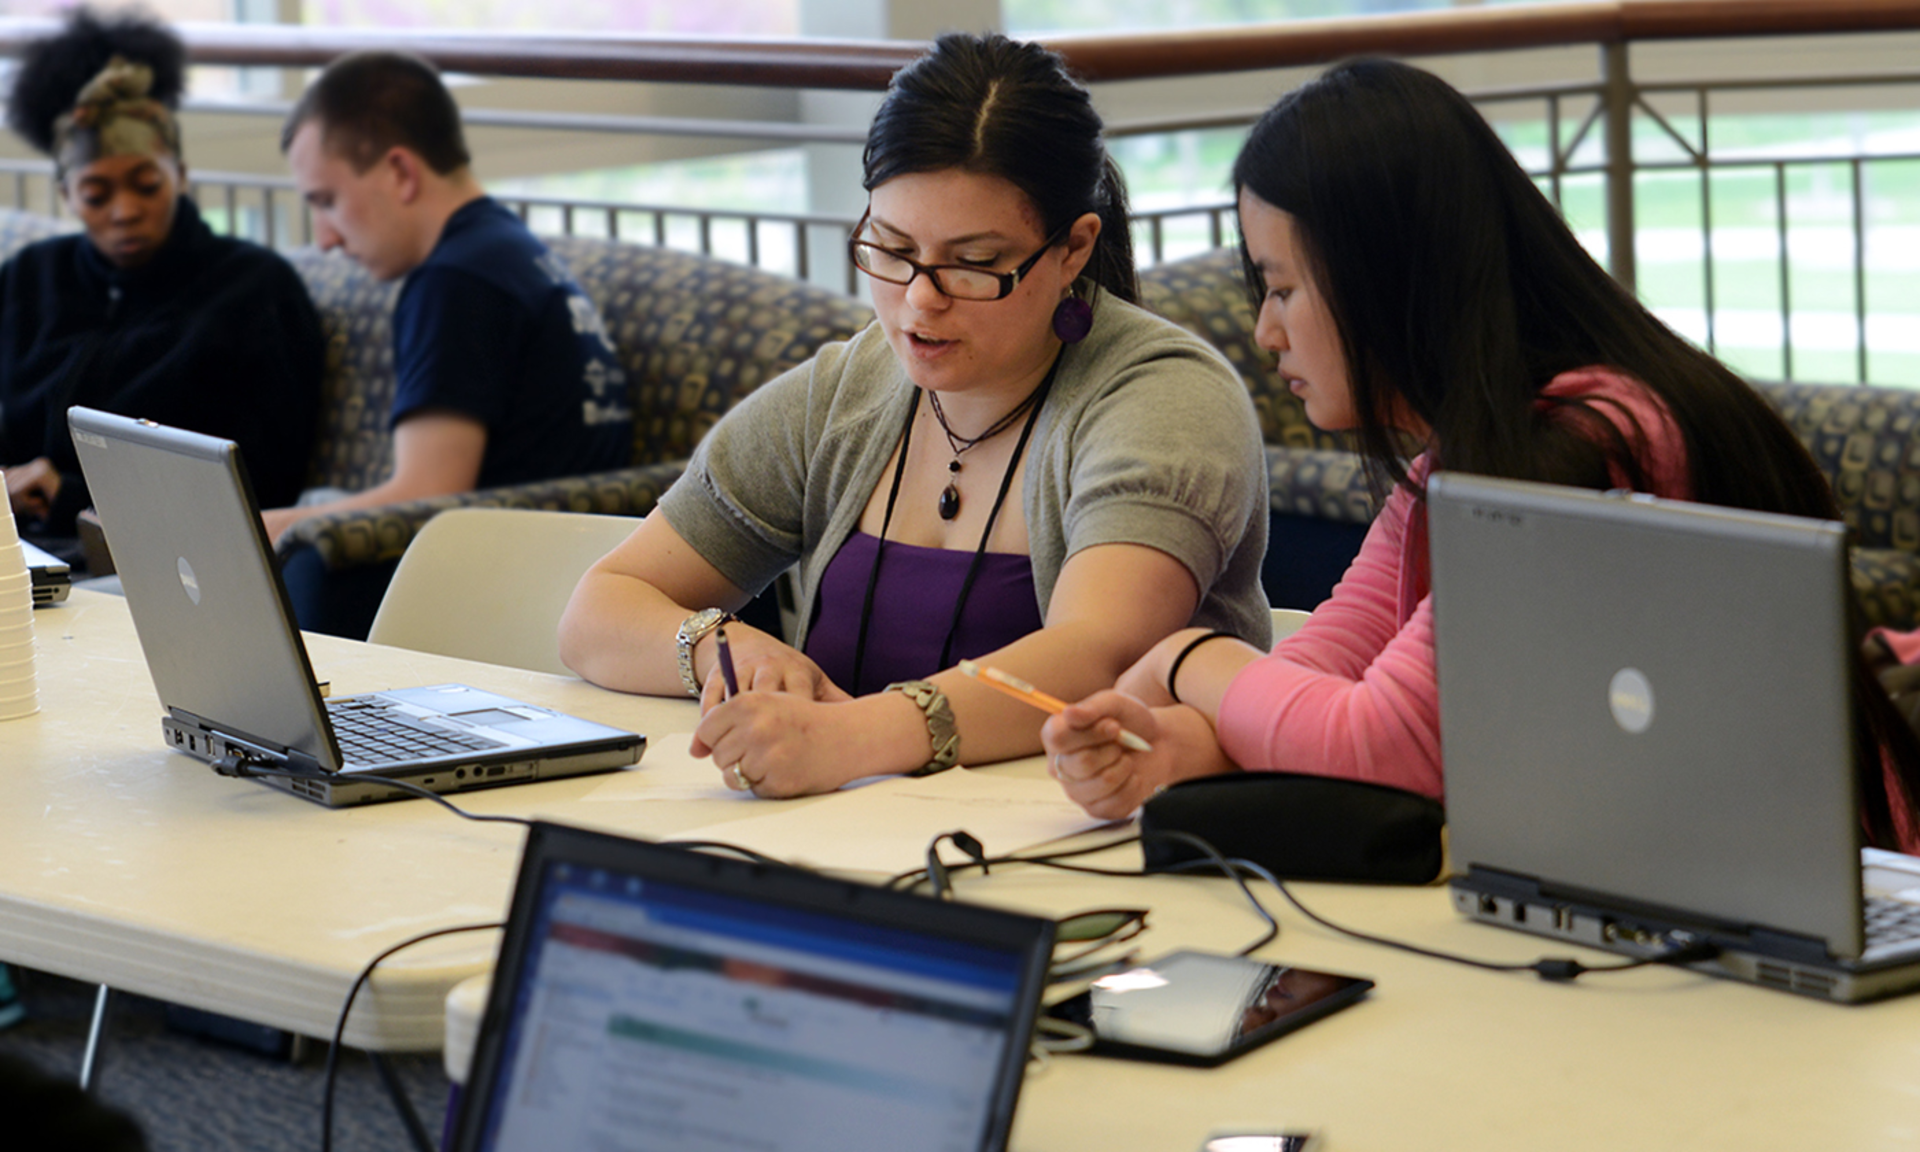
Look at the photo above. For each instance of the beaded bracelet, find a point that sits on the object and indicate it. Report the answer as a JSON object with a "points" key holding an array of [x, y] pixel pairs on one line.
{"points": [[1173, 672], [941, 732]]}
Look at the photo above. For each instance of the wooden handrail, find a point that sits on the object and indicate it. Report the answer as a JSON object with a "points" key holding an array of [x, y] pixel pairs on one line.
{"points": [[1432, 33], [851, 64]]}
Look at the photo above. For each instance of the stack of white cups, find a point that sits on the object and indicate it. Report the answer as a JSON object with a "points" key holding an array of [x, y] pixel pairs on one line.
{"points": [[19, 695]]}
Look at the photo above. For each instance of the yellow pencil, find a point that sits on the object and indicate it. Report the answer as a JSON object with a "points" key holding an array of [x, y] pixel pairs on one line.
{"points": [[1021, 690]]}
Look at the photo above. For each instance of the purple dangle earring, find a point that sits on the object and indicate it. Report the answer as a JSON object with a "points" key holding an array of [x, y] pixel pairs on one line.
{"points": [[1072, 319]]}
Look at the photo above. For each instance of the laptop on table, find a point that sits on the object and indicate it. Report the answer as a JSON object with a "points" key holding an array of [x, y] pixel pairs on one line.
{"points": [[1647, 724], [50, 576], [230, 667], [653, 997]]}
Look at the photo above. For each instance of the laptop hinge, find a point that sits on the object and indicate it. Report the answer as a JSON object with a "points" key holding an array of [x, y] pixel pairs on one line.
{"points": [[1790, 946], [180, 720]]}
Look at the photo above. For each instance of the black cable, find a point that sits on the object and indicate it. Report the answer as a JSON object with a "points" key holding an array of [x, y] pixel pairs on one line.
{"points": [[340, 1026], [245, 767], [1554, 968], [1047, 860], [1559, 969], [722, 846], [941, 876]]}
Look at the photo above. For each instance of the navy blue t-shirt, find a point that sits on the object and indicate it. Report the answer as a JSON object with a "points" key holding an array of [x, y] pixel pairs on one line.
{"points": [[491, 325]]}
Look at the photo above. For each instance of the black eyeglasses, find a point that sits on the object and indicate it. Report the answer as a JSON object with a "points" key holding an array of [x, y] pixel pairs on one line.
{"points": [[956, 281]]}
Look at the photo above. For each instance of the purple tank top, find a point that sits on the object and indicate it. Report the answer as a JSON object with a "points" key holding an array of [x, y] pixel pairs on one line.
{"points": [[913, 603]]}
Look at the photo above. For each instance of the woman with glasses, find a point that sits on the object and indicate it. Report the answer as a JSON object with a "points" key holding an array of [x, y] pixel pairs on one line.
{"points": [[1014, 464], [1420, 291]]}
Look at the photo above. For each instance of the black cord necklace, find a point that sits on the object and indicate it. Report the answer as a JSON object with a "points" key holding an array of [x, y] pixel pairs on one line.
{"points": [[1032, 405], [950, 496]]}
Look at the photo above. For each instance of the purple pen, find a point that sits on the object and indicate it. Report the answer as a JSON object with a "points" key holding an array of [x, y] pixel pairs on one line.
{"points": [[726, 662]]}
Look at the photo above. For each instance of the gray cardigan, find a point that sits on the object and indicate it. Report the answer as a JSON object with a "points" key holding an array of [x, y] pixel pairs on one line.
{"points": [[1148, 437]]}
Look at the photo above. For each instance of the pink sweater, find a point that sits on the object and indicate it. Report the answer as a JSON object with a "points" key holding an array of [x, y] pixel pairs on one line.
{"points": [[1353, 693]]}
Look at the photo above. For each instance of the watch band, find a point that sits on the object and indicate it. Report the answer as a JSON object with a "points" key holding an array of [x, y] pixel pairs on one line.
{"points": [[692, 630], [941, 732]]}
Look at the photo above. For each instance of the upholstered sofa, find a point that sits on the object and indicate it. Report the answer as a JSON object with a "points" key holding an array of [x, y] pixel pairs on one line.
{"points": [[697, 334], [694, 335]]}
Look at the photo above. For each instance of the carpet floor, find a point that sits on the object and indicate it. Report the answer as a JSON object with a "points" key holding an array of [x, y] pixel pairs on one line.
{"points": [[192, 1094]]}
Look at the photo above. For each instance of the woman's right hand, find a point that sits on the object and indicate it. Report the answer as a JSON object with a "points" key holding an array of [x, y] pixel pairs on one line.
{"points": [[763, 663], [1098, 772]]}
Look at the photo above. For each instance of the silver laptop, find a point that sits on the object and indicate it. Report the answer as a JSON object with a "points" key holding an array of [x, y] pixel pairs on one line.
{"points": [[229, 664], [1646, 721], [649, 996], [49, 575]]}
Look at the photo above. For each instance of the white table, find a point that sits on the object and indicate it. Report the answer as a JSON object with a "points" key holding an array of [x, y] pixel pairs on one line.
{"points": [[123, 863]]}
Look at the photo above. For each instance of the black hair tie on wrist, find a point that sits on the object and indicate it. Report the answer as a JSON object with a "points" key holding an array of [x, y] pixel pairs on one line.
{"points": [[1173, 673]]}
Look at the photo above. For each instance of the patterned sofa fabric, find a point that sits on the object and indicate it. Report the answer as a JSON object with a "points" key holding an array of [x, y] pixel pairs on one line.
{"points": [[694, 335], [1867, 440]]}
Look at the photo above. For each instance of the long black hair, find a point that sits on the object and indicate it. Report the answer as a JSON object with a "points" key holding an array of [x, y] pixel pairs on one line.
{"points": [[54, 69], [1459, 292], [1001, 107]]}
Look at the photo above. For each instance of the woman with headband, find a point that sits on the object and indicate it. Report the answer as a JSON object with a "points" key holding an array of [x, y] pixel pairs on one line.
{"points": [[146, 312], [1014, 463]]}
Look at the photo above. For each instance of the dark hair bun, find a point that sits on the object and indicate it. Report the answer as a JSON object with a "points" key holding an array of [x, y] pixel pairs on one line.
{"points": [[53, 70]]}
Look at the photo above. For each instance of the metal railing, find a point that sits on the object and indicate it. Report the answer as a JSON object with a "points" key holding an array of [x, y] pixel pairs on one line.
{"points": [[1591, 127]]}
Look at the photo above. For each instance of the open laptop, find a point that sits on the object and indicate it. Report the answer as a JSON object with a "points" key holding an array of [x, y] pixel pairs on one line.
{"points": [[1646, 718], [229, 664], [650, 996], [50, 576]]}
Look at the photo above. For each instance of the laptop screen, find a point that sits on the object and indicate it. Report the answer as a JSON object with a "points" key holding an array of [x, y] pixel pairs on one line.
{"points": [[670, 1000]]}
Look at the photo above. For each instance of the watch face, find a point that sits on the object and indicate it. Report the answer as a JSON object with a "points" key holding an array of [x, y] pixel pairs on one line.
{"points": [[701, 623]]}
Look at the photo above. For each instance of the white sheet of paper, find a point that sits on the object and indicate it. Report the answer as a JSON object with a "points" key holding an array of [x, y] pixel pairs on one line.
{"points": [[885, 827], [667, 772]]}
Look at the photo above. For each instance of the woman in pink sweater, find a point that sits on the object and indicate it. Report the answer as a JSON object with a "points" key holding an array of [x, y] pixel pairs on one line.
{"points": [[1421, 293]]}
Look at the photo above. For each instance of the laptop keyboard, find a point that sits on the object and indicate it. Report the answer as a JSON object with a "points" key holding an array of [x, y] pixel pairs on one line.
{"points": [[373, 732], [1891, 921]]}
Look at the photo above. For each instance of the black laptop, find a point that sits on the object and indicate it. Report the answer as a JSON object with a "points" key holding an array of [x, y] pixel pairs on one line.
{"points": [[1646, 715], [648, 996], [232, 671]]}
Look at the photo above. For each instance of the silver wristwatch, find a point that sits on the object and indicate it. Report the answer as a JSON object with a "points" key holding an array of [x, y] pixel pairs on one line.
{"points": [[692, 630]]}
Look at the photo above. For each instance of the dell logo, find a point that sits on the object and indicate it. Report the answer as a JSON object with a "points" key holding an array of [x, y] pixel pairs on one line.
{"points": [[189, 581], [1630, 699]]}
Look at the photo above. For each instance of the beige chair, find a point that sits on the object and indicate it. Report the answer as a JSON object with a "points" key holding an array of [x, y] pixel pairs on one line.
{"points": [[1286, 621], [490, 583]]}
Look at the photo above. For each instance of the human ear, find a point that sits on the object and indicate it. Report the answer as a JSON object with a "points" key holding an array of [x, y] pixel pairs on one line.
{"points": [[1080, 241], [405, 171]]}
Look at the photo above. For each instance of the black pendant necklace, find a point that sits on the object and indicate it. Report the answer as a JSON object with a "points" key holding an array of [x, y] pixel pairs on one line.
{"points": [[950, 496], [1032, 403]]}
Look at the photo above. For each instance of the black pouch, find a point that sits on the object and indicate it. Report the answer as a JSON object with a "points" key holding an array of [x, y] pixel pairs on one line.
{"points": [[1300, 827]]}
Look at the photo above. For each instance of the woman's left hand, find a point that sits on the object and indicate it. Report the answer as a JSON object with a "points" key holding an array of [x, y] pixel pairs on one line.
{"points": [[780, 745]]}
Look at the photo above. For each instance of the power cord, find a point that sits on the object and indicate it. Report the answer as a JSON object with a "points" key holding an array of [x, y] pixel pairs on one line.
{"points": [[1559, 969], [340, 1026], [940, 873], [249, 767]]}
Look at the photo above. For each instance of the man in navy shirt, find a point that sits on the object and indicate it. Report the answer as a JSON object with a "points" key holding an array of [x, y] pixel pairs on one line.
{"points": [[504, 373]]}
